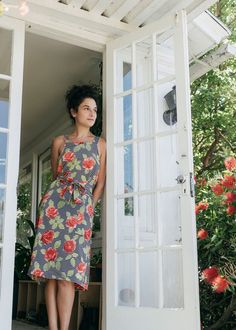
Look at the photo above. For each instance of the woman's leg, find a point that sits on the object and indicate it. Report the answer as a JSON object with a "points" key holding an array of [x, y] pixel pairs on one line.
{"points": [[51, 303], [65, 299]]}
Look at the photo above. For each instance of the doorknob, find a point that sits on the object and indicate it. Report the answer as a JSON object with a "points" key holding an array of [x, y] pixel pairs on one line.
{"points": [[180, 179]]}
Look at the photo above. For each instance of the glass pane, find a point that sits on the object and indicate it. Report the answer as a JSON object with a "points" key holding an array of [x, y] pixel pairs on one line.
{"points": [[123, 69], [24, 196], [3, 157], [169, 218], [173, 279], [166, 107], [5, 51], [2, 211], [168, 168], [146, 165], [149, 279], [145, 113], [147, 221], [125, 223], [46, 175], [126, 279], [124, 163], [124, 120], [4, 103], [165, 57], [144, 62]]}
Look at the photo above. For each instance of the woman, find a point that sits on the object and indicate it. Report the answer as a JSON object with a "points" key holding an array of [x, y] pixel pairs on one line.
{"points": [[62, 245]]}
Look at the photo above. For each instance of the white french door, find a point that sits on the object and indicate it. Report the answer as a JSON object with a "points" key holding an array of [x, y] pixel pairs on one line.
{"points": [[11, 74], [151, 253]]}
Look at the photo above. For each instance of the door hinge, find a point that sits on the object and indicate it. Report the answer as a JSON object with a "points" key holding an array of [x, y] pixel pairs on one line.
{"points": [[192, 187]]}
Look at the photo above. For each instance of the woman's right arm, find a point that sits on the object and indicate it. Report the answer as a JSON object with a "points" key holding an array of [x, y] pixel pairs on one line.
{"points": [[56, 147]]}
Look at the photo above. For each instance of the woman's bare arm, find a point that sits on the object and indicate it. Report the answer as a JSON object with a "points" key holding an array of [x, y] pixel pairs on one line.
{"points": [[98, 190]]}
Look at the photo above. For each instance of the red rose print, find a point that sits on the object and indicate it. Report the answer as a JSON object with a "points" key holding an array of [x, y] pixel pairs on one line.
{"points": [[68, 156], [209, 274], [69, 246], [230, 163], [80, 218], [87, 234], [220, 284], [37, 272], [88, 163], [51, 212], [90, 210], [78, 200], [202, 234], [39, 221], [47, 236], [217, 189], [50, 254], [59, 168], [71, 222], [81, 267], [45, 197], [62, 192]]}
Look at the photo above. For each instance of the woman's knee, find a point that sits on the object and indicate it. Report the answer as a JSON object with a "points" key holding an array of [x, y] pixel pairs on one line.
{"points": [[64, 284]]}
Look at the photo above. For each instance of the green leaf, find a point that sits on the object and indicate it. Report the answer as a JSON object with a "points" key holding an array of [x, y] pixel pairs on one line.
{"points": [[72, 261]]}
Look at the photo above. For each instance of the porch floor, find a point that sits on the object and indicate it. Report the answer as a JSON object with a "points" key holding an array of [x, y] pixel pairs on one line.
{"points": [[18, 325]]}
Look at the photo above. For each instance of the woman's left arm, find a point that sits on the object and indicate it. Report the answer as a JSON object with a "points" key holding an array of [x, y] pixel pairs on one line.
{"points": [[98, 190]]}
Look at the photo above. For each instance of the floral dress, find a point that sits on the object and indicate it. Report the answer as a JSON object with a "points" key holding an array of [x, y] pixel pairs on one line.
{"points": [[65, 217]]}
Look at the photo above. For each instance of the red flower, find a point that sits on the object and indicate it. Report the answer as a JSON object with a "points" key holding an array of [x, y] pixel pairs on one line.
{"points": [[47, 236], [69, 246], [201, 206], [231, 209], [229, 197], [230, 163], [80, 218], [217, 189], [39, 221], [68, 156], [71, 222], [51, 212], [50, 254], [59, 168], [209, 274], [90, 210], [37, 272], [81, 267], [220, 284], [87, 234], [202, 234], [88, 163], [229, 181]]}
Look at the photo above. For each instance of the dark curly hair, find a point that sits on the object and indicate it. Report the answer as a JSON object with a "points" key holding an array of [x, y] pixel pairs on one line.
{"points": [[75, 95]]}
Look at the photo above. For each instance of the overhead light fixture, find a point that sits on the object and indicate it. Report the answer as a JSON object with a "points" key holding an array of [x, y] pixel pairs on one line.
{"points": [[22, 7]]}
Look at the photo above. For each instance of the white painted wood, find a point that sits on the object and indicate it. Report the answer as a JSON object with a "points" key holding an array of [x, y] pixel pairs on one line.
{"points": [[122, 317], [213, 60], [34, 185], [119, 10], [9, 232], [190, 263], [100, 6]]}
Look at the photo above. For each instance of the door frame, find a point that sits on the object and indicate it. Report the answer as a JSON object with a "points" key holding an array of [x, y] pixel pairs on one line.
{"points": [[13, 148]]}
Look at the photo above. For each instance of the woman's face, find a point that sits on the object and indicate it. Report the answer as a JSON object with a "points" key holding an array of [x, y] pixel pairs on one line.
{"points": [[87, 113]]}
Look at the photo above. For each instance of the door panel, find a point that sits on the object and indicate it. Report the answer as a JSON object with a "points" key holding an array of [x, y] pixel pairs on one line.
{"points": [[151, 238]]}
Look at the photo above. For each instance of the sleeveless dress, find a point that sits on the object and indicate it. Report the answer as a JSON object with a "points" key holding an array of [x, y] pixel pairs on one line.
{"points": [[65, 217]]}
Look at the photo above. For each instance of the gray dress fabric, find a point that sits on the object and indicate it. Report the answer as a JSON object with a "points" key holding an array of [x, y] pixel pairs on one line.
{"points": [[65, 217]]}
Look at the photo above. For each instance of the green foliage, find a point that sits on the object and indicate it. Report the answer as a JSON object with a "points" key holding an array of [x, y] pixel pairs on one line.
{"points": [[213, 98]]}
